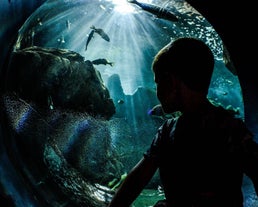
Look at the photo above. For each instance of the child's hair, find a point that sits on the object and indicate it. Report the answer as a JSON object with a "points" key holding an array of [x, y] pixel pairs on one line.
{"points": [[189, 59]]}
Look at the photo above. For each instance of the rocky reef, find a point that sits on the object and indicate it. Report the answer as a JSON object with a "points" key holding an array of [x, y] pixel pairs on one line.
{"points": [[58, 78]]}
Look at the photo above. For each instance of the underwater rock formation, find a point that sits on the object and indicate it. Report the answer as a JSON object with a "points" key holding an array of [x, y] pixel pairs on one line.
{"points": [[69, 157], [58, 78], [64, 156]]}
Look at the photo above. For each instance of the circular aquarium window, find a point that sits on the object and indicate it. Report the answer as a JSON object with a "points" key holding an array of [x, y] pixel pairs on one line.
{"points": [[80, 95]]}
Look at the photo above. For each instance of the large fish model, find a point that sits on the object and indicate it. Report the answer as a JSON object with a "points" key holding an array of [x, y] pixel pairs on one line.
{"points": [[160, 12], [102, 61], [89, 38], [101, 33]]}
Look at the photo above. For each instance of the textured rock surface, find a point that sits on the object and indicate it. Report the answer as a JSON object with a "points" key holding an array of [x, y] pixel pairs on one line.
{"points": [[59, 78]]}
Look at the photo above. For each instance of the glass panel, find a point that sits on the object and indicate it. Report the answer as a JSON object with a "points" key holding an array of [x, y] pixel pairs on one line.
{"points": [[80, 89]]}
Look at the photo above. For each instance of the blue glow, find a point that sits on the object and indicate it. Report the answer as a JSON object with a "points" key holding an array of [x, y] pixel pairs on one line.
{"points": [[79, 128], [22, 120]]}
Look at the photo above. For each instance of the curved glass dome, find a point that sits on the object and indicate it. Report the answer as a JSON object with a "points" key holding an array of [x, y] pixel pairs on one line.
{"points": [[79, 89]]}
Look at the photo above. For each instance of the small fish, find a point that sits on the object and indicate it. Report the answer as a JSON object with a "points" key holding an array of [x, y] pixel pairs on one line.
{"points": [[102, 61], [50, 102], [101, 33], [61, 40], [160, 12], [90, 36], [68, 24], [120, 101]]}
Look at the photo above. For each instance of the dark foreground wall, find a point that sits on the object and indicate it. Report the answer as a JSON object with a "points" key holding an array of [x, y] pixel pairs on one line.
{"points": [[235, 22], [13, 15]]}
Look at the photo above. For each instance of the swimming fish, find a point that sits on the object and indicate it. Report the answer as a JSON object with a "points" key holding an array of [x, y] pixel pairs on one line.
{"points": [[102, 61], [160, 12], [68, 24], [89, 38], [120, 101], [101, 33]]}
